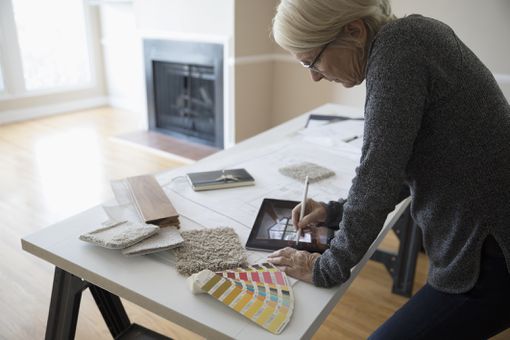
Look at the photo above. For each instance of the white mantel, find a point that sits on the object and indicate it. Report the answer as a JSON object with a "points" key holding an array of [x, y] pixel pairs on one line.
{"points": [[163, 19]]}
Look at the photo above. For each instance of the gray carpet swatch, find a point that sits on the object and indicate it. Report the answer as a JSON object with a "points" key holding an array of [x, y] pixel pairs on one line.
{"points": [[166, 238], [299, 171], [215, 249]]}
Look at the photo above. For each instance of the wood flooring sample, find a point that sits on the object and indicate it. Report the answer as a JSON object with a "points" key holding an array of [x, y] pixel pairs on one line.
{"points": [[151, 201]]}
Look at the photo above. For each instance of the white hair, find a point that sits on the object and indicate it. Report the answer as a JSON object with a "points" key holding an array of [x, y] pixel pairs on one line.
{"points": [[302, 25]]}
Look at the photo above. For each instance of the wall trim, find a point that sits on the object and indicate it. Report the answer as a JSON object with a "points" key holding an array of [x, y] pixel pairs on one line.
{"points": [[501, 78], [166, 35], [10, 116], [261, 58], [128, 104]]}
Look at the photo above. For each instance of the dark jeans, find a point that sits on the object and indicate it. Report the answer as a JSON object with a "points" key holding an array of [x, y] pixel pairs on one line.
{"points": [[480, 313]]}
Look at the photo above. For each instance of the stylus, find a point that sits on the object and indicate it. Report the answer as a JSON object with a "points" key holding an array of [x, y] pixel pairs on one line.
{"points": [[302, 212]]}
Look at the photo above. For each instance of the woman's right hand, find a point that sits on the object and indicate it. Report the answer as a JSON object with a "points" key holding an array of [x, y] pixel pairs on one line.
{"points": [[315, 212]]}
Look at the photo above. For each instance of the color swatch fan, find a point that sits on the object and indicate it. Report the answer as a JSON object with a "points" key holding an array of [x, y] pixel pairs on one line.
{"points": [[261, 293]]}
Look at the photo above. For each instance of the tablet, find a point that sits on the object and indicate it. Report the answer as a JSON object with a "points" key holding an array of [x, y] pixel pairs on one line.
{"points": [[273, 230]]}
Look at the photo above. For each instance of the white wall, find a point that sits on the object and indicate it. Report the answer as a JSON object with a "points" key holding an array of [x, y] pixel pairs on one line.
{"points": [[212, 17], [123, 58]]}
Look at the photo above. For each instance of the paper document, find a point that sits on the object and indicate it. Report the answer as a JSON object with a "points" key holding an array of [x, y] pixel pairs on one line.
{"points": [[334, 134], [242, 204]]}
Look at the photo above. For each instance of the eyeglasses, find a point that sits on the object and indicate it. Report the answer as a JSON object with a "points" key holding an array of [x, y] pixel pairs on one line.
{"points": [[312, 66]]}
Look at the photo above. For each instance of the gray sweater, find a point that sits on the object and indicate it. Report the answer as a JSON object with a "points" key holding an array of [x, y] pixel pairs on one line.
{"points": [[437, 122]]}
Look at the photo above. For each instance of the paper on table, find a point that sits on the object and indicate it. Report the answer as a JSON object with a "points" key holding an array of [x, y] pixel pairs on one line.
{"points": [[123, 212], [333, 134], [242, 204]]}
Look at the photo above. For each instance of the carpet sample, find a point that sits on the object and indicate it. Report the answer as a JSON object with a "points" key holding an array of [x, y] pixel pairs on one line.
{"points": [[299, 172], [166, 238], [119, 235], [214, 249]]}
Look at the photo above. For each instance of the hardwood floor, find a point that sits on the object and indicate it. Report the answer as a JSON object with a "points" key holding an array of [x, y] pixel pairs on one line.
{"points": [[55, 167]]}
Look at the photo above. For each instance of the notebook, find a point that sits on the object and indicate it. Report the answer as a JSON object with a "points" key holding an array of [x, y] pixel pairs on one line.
{"points": [[219, 179]]}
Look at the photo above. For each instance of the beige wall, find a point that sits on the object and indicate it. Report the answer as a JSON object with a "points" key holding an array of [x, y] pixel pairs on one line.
{"points": [[295, 92], [482, 25], [254, 94], [97, 90], [253, 27], [253, 98]]}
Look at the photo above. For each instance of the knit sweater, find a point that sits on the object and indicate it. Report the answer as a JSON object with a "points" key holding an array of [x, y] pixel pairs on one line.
{"points": [[437, 122]]}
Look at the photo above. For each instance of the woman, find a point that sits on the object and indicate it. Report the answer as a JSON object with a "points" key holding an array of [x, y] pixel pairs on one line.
{"points": [[436, 123]]}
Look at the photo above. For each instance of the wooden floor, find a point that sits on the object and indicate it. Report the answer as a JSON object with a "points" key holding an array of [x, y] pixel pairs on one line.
{"points": [[55, 167]]}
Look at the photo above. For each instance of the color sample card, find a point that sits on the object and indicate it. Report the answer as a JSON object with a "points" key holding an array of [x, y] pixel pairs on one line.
{"points": [[261, 293]]}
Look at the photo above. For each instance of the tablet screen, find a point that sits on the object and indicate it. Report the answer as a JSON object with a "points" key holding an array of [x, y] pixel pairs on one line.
{"points": [[273, 229]]}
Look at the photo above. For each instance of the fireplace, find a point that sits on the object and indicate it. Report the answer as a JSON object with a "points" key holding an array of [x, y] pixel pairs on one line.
{"points": [[184, 83]]}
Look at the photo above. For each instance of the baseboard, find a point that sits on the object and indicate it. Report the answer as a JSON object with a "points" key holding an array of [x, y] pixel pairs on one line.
{"points": [[125, 103], [11, 116]]}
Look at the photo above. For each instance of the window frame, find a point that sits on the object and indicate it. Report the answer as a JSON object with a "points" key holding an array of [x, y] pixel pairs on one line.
{"points": [[10, 54]]}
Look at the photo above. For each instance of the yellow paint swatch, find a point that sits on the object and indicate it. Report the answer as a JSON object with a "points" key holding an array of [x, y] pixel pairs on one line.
{"points": [[244, 300], [233, 294], [261, 293], [254, 308]]}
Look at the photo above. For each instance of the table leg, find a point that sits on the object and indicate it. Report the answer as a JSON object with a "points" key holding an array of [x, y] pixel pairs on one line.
{"points": [[410, 246], [64, 305], [112, 310], [402, 265]]}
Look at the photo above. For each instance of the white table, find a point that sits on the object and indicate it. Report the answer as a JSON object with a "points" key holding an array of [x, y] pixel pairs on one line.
{"points": [[152, 281]]}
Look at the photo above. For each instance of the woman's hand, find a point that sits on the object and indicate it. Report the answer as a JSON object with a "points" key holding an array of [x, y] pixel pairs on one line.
{"points": [[297, 263], [315, 212]]}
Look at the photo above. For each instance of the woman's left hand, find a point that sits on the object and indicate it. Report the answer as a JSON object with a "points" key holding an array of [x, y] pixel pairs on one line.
{"points": [[296, 263]]}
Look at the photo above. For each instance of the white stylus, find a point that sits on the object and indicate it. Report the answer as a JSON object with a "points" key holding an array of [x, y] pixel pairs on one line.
{"points": [[302, 213]]}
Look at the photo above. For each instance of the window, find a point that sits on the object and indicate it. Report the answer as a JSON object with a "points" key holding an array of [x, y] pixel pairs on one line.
{"points": [[46, 45]]}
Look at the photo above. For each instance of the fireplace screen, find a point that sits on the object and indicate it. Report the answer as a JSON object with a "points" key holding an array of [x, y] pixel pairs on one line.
{"points": [[184, 82], [184, 99]]}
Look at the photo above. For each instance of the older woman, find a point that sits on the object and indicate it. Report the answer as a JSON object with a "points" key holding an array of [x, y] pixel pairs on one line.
{"points": [[436, 123]]}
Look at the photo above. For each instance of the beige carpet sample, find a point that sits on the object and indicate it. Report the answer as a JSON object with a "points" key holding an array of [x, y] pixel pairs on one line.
{"points": [[119, 235], [166, 238], [215, 249], [299, 172]]}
